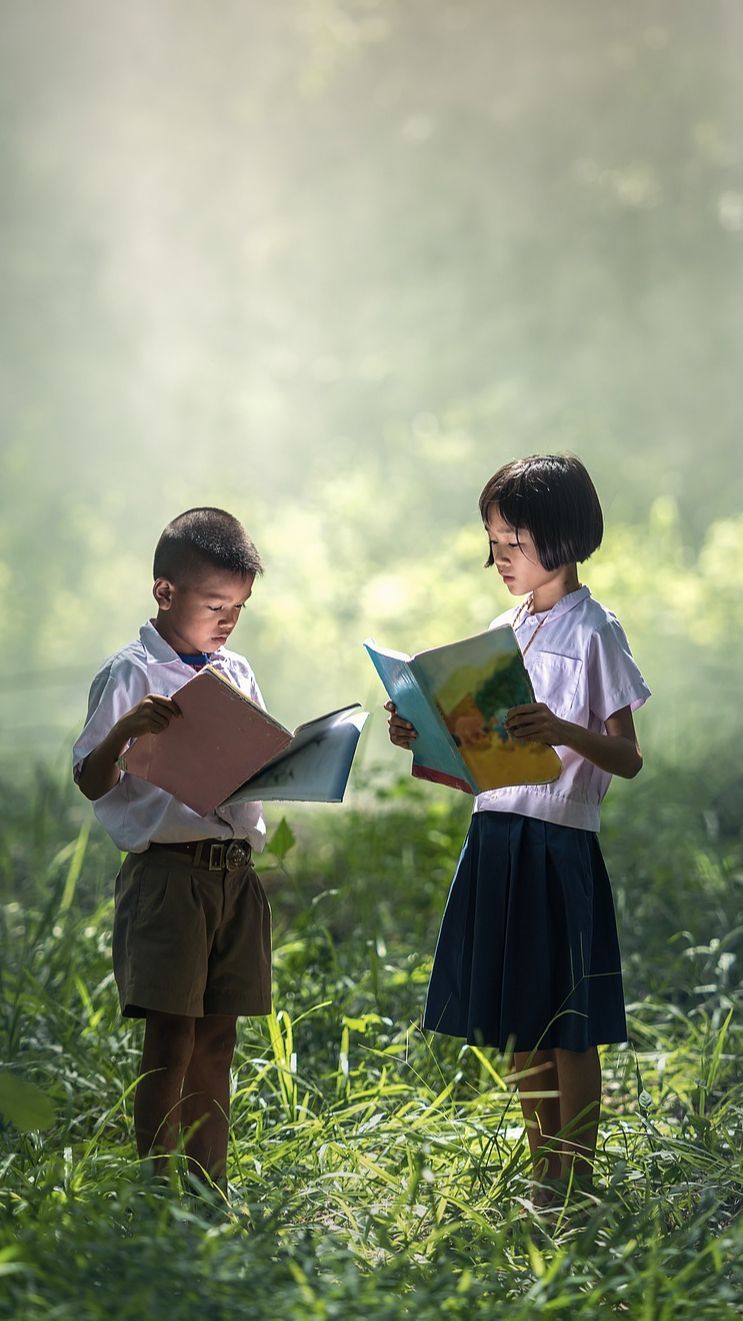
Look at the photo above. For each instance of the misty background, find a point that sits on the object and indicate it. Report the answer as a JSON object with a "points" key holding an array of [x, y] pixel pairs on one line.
{"points": [[329, 263]]}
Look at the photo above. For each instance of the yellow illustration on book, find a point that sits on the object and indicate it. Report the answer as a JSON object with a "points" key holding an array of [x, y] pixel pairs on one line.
{"points": [[457, 698], [474, 702]]}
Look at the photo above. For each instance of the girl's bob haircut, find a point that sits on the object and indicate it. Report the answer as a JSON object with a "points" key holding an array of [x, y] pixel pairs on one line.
{"points": [[552, 496]]}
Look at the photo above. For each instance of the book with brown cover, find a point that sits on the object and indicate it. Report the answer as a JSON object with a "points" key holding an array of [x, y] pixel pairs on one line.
{"points": [[219, 740], [224, 746]]}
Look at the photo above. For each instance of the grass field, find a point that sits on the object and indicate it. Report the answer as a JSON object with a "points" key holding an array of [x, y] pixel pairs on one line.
{"points": [[374, 1171]]}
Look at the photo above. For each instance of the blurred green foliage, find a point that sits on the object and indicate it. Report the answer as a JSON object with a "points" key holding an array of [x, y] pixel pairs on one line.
{"points": [[328, 263]]}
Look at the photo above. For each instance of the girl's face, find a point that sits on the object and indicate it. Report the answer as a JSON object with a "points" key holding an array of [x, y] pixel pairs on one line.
{"points": [[516, 557]]}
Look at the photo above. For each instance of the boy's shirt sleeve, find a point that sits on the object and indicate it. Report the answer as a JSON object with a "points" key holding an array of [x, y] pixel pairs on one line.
{"points": [[116, 688], [256, 693], [614, 680]]}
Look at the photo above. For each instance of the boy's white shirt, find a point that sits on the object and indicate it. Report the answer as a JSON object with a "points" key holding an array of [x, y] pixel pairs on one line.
{"points": [[136, 813], [581, 667]]}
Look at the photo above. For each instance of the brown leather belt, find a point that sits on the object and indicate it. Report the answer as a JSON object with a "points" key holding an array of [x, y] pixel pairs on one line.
{"points": [[214, 854]]}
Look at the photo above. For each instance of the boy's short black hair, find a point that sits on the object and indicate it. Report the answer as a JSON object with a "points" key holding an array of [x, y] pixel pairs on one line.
{"points": [[205, 537], [552, 496]]}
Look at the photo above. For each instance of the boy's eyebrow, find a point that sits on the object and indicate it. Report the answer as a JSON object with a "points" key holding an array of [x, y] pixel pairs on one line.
{"points": [[220, 596]]}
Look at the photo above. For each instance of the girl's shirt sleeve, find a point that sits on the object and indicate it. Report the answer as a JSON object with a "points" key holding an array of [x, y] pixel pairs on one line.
{"points": [[614, 680]]}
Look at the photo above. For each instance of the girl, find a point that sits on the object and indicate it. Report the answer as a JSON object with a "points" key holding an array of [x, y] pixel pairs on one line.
{"points": [[527, 957]]}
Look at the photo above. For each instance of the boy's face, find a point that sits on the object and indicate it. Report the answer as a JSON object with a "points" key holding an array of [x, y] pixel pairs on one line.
{"points": [[199, 613]]}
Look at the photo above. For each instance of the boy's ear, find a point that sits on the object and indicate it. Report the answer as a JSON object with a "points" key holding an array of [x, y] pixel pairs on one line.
{"points": [[163, 590]]}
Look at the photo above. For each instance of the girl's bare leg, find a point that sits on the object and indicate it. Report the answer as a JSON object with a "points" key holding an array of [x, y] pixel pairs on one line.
{"points": [[579, 1083], [205, 1107], [541, 1113]]}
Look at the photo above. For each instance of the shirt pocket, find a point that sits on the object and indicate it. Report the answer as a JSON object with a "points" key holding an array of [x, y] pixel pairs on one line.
{"points": [[555, 679]]}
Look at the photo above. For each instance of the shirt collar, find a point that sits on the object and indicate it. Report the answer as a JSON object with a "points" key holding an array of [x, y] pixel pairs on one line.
{"points": [[562, 606], [156, 647], [160, 652]]}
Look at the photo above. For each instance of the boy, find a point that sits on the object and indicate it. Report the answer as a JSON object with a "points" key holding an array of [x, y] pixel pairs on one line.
{"points": [[192, 925]]}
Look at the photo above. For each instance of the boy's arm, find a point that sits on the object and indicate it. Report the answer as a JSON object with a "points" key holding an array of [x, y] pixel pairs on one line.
{"points": [[99, 772]]}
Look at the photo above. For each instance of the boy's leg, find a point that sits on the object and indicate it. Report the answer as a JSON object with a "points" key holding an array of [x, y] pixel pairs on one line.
{"points": [[206, 1096], [541, 1113], [168, 1046], [579, 1081]]}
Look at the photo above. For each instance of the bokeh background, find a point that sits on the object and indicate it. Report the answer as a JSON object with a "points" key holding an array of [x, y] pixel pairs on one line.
{"points": [[328, 263]]}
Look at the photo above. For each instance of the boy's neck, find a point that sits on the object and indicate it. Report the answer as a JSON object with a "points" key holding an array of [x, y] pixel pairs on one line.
{"points": [[179, 644], [161, 624]]}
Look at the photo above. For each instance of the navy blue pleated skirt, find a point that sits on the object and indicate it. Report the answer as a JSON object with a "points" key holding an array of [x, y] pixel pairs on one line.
{"points": [[528, 955]]}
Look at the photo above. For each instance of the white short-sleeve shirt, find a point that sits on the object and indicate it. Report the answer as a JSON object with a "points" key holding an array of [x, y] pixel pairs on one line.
{"points": [[581, 667], [136, 813]]}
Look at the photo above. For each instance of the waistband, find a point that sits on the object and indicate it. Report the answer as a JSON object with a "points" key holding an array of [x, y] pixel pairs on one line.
{"points": [[213, 854]]}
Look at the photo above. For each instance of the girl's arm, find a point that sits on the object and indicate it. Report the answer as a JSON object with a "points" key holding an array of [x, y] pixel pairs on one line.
{"points": [[617, 751]]}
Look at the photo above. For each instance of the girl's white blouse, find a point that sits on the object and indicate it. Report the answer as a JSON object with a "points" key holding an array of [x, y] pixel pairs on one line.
{"points": [[581, 667]]}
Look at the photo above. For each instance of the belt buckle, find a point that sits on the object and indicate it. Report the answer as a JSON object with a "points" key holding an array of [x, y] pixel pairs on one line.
{"points": [[236, 855], [216, 857]]}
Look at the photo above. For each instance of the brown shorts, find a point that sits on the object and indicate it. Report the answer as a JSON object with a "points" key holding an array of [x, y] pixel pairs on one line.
{"points": [[190, 941]]}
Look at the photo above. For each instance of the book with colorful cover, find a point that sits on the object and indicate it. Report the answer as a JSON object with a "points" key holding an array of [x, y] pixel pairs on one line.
{"points": [[225, 748], [457, 698]]}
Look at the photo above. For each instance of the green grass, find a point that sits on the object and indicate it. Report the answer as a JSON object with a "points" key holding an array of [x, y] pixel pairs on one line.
{"points": [[375, 1171]]}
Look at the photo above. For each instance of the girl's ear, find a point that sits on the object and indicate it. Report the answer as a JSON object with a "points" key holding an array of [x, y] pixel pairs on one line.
{"points": [[162, 590]]}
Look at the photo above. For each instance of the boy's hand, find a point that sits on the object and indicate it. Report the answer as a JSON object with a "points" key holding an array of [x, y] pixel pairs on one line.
{"points": [[150, 716], [402, 733]]}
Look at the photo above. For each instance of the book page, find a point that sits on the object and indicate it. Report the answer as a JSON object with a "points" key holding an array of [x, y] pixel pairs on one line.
{"points": [[315, 767]]}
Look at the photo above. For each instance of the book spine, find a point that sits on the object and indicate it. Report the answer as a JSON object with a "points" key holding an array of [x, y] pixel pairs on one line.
{"points": [[467, 779], [440, 777]]}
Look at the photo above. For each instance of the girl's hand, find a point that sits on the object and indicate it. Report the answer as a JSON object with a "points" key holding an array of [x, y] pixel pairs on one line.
{"points": [[537, 723], [401, 731]]}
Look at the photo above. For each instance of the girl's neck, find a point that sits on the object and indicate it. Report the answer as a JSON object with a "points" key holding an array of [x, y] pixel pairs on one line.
{"points": [[549, 593]]}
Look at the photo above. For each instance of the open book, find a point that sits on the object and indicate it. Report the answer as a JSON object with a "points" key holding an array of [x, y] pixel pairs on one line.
{"points": [[226, 748], [457, 698]]}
